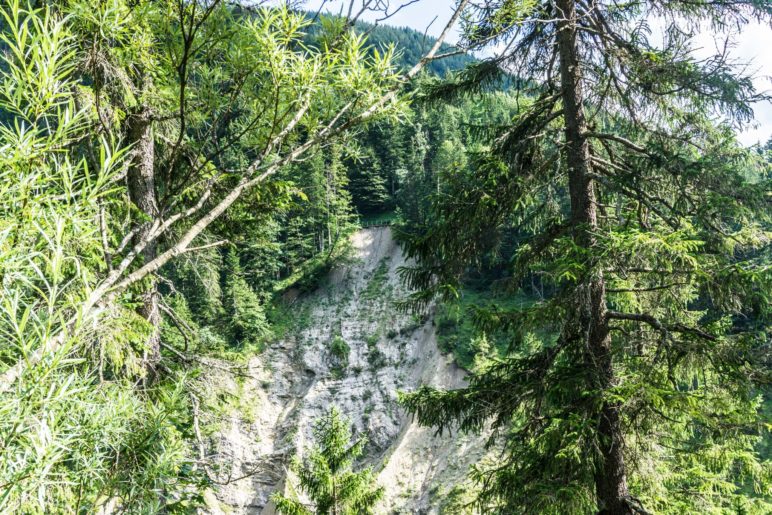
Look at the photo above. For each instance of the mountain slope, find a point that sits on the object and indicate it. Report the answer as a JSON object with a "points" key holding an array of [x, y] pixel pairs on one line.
{"points": [[297, 378], [411, 46]]}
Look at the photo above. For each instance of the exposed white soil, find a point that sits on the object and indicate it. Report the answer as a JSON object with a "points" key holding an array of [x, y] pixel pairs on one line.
{"points": [[295, 380]]}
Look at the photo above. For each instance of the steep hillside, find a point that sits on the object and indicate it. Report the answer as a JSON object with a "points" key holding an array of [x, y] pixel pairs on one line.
{"points": [[293, 382], [410, 45]]}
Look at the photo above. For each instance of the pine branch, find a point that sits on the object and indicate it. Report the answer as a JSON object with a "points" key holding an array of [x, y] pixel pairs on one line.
{"points": [[659, 325]]}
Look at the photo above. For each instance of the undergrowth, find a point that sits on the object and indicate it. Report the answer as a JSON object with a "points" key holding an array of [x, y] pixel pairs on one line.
{"points": [[456, 332]]}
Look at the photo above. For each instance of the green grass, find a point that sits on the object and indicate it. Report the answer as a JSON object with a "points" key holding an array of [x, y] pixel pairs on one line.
{"points": [[313, 272], [286, 319], [375, 357], [308, 276], [377, 219], [339, 350], [376, 284]]}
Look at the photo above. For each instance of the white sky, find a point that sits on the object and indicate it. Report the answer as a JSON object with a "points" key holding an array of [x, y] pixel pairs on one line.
{"points": [[753, 47]]}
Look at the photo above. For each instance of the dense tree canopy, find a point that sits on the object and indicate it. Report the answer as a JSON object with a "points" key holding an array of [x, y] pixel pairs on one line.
{"points": [[141, 139], [650, 226], [173, 170]]}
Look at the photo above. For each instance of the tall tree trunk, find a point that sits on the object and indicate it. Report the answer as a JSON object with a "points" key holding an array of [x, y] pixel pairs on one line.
{"points": [[142, 192], [610, 477]]}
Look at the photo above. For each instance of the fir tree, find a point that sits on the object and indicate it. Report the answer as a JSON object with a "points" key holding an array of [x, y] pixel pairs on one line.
{"points": [[369, 187], [246, 317], [338, 221], [654, 244], [327, 474]]}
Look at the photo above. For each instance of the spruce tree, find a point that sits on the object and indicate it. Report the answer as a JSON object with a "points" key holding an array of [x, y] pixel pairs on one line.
{"points": [[369, 187], [246, 318], [327, 475], [338, 220], [644, 394]]}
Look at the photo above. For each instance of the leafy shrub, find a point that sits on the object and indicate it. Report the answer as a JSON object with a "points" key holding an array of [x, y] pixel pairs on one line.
{"points": [[339, 351]]}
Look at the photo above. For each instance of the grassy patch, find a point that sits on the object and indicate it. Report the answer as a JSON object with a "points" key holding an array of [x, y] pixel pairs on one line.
{"points": [[375, 358], [378, 219], [339, 352], [340, 349], [313, 272], [286, 318], [376, 284]]}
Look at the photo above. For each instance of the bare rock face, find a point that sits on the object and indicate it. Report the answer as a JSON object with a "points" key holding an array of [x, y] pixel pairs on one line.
{"points": [[295, 380]]}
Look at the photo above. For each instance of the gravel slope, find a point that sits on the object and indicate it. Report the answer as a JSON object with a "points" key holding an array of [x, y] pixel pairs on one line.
{"points": [[296, 379]]}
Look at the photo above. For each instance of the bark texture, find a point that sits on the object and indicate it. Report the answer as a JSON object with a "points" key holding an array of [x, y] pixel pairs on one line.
{"points": [[142, 192], [610, 476]]}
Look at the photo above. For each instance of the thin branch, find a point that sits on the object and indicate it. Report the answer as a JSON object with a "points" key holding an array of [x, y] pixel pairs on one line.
{"points": [[107, 256], [114, 284], [658, 325], [619, 139], [207, 246], [643, 290]]}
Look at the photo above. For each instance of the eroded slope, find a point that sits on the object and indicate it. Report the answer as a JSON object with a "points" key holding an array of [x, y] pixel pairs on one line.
{"points": [[351, 348]]}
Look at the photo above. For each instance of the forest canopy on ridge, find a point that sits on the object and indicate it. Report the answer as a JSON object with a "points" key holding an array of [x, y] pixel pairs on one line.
{"points": [[588, 236]]}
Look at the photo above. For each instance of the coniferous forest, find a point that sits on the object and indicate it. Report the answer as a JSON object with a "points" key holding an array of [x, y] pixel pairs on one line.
{"points": [[256, 258]]}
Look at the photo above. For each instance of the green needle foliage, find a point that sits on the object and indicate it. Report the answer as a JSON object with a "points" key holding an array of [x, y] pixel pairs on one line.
{"points": [[139, 137], [649, 228], [242, 306], [126, 126], [326, 475]]}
